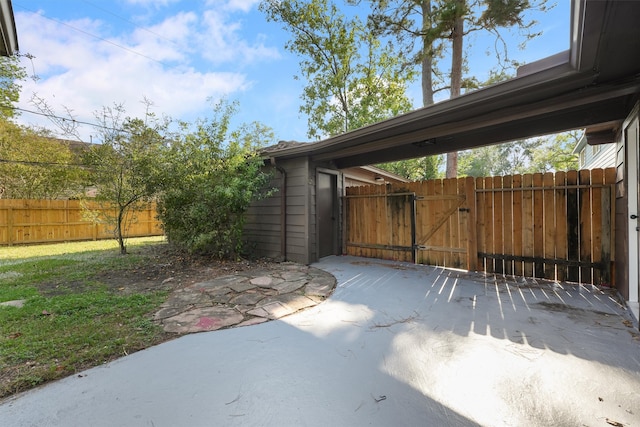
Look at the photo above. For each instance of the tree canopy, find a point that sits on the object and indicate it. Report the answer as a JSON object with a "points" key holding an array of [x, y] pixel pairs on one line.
{"points": [[211, 176], [11, 74], [125, 167], [426, 30], [352, 78], [549, 154], [35, 166]]}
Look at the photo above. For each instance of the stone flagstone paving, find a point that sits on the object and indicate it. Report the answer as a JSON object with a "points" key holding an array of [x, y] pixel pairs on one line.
{"points": [[245, 298]]}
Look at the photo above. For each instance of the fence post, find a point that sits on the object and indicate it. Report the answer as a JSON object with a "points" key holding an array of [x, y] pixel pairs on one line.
{"points": [[472, 242]]}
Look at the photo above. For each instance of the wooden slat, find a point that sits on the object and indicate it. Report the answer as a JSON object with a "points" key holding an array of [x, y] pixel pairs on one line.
{"points": [[471, 235], [561, 224], [573, 248], [549, 225], [597, 177], [488, 229], [49, 221], [608, 224], [507, 218], [440, 208], [498, 222], [452, 233], [585, 209], [516, 228], [527, 224], [481, 224], [538, 225], [555, 226]]}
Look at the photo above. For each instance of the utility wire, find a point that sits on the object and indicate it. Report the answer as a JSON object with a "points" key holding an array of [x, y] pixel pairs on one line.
{"points": [[48, 115], [90, 34], [129, 22]]}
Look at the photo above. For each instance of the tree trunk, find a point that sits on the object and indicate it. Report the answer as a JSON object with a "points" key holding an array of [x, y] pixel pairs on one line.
{"points": [[456, 75], [119, 234], [427, 55]]}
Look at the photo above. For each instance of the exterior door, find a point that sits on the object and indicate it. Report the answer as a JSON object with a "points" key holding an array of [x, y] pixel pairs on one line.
{"points": [[634, 140], [327, 214], [632, 162]]}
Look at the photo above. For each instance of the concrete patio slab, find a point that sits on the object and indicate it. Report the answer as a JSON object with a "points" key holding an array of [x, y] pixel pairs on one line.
{"points": [[395, 344]]}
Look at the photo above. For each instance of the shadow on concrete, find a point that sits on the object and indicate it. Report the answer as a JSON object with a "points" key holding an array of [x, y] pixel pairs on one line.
{"points": [[395, 344], [498, 351]]}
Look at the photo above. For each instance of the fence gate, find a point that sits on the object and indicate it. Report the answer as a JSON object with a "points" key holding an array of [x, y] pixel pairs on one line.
{"points": [[424, 222], [554, 226]]}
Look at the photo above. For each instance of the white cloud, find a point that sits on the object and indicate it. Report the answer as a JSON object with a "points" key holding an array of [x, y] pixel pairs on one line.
{"points": [[84, 73], [220, 41]]}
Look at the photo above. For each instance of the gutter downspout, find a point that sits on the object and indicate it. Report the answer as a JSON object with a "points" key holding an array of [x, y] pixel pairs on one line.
{"points": [[283, 208]]}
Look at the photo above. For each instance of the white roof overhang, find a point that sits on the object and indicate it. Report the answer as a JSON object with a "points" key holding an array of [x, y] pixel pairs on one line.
{"points": [[8, 35]]}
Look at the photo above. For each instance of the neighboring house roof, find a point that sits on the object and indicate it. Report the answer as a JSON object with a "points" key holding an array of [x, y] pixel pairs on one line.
{"points": [[282, 145], [596, 82], [8, 34], [580, 145], [370, 175]]}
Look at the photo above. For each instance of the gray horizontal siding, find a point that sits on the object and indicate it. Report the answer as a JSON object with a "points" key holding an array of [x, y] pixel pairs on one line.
{"points": [[297, 209], [261, 232]]}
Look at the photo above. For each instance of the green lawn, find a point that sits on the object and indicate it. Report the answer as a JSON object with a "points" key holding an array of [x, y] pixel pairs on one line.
{"points": [[70, 319]]}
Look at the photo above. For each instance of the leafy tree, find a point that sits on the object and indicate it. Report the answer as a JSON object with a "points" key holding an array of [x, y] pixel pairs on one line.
{"points": [[424, 29], [126, 170], [418, 169], [352, 79], [35, 166], [11, 73], [549, 154], [212, 175], [497, 160], [556, 154]]}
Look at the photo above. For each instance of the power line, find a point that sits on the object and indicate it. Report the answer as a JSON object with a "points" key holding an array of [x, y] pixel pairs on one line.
{"points": [[90, 34], [129, 22], [49, 115]]}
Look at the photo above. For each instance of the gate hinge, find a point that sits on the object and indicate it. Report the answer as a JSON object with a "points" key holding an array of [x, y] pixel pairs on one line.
{"points": [[464, 210]]}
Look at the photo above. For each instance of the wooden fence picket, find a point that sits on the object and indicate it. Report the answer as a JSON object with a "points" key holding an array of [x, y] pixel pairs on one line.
{"points": [[49, 221], [557, 226]]}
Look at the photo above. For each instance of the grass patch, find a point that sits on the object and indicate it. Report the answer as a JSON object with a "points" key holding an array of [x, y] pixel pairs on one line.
{"points": [[71, 320]]}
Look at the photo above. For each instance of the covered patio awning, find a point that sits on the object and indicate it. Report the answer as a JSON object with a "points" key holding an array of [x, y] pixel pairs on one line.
{"points": [[595, 83]]}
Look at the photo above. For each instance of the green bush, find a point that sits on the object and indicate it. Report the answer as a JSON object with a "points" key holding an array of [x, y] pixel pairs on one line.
{"points": [[212, 176]]}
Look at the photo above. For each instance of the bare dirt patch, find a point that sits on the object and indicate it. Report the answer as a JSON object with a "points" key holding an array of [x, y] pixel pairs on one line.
{"points": [[165, 269]]}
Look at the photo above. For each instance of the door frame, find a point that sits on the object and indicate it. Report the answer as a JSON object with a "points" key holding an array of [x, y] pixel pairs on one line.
{"points": [[633, 199], [337, 209]]}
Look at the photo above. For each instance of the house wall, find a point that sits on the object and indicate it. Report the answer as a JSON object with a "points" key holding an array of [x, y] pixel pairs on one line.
{"points": [[598, 156], [298, 209], [263, 226]]}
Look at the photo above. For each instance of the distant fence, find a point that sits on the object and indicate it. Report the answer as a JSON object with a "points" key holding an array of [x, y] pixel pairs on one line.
{"points": [[49, 221], [555, 226]]}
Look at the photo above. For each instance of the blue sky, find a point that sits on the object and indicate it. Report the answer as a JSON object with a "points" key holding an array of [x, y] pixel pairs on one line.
{"points": [[183, 54]]}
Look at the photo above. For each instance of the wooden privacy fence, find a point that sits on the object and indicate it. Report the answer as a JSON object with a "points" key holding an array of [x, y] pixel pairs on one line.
{"points": [[555, 226], [50, 221]]}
